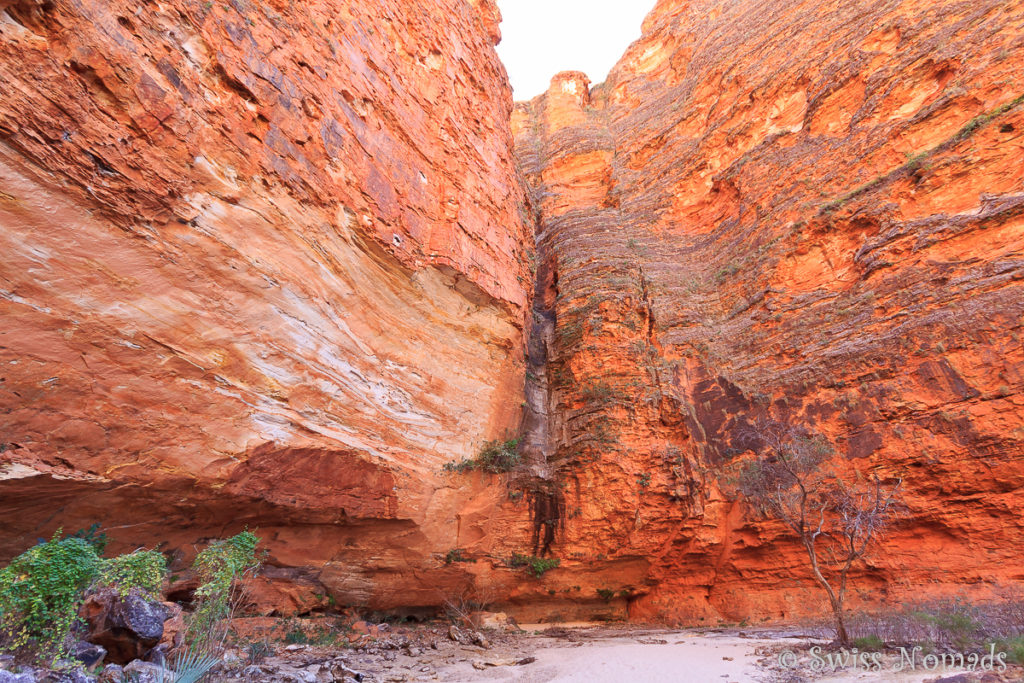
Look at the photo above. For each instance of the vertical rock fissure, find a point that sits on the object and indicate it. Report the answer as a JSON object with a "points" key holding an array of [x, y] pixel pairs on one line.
{"points": [[539, 442], [540, 429]]}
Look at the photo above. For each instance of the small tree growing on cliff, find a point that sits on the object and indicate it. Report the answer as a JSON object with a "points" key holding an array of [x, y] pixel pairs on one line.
{"points": [[835, 520]]}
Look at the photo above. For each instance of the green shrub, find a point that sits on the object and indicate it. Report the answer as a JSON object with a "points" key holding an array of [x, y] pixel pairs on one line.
{"points": [[320, 633], [495, 457], [94, 537], [1014, 649], [455, 555], [958, 627], [258, 650], [466, 465], [296, 636], [142, 571], [535, 566], [871, 643], [218, 566], [40, 592], [499, 456]]}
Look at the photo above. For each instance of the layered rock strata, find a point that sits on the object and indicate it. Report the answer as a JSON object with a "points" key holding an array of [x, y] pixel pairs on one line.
{"points": [[263, 265], [274, 265], [808, 210]]}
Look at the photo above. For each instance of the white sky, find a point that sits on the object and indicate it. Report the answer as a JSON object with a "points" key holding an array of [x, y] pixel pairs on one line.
{"points": [[539, 38]]}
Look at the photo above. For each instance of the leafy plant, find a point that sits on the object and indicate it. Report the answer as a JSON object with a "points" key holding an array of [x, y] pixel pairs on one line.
{"points": [[191, 667], [298, 632], [499, 456], [455, 555], [960, 626], [296, 636], [257, 650], [40, 591], [218, 566], [94, 537], [495, 457], [870, 643], [142, 570], [535, 566], [1014, 649]]}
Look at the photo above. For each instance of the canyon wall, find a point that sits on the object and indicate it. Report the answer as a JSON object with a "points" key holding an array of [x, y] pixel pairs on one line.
{"points": [[273, 265], [263, 264], [813, 211]]}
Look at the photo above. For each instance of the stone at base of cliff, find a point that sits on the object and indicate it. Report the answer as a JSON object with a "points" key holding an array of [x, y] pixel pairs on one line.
{"points": [[128, 627]]}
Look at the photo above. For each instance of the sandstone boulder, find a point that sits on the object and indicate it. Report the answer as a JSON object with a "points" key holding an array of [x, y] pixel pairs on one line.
{"points": [[128, 627]]}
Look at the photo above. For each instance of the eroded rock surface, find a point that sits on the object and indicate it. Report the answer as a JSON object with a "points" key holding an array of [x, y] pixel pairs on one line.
{"points": [[804, 208], [269, 265], [263, 264]]}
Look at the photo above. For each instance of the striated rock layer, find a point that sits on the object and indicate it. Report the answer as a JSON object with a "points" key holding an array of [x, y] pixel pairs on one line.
{"points": [[804, 209], [273, 265], [263, 264]]}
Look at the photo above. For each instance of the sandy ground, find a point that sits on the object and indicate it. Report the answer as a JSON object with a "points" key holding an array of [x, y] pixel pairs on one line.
{"points": [[651, 658], [581, 654]]}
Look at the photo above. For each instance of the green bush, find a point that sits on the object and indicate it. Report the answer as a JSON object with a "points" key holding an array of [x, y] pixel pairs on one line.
{"points": [[455, 555], [218, 566], [495, 457], [320, 633], [959, 627], [871, 643], [296, 636], [93, 536], [535, 566], [42, 589], [258, 650], [142, 571], [1014, 649], [499, 456], [40, 592]]}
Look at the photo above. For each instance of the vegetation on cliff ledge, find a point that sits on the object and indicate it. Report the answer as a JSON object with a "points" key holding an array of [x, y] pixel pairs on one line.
{"points": [[495, 457], [535, 566]]}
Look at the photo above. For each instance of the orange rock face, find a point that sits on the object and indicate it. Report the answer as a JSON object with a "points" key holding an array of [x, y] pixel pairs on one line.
{"points": [[274, 264], [263, 264], [813, 210]]}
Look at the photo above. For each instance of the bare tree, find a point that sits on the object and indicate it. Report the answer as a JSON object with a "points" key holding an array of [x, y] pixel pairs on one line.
{"points": [[836, 520]]}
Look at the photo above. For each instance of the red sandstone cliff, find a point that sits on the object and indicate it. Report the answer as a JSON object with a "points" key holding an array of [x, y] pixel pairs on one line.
{"points": [[808, 209], [272, 264], [263, 263]]}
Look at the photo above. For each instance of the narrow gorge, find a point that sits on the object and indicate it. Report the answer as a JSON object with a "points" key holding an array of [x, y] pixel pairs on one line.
{"points": [[283, 266]]}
